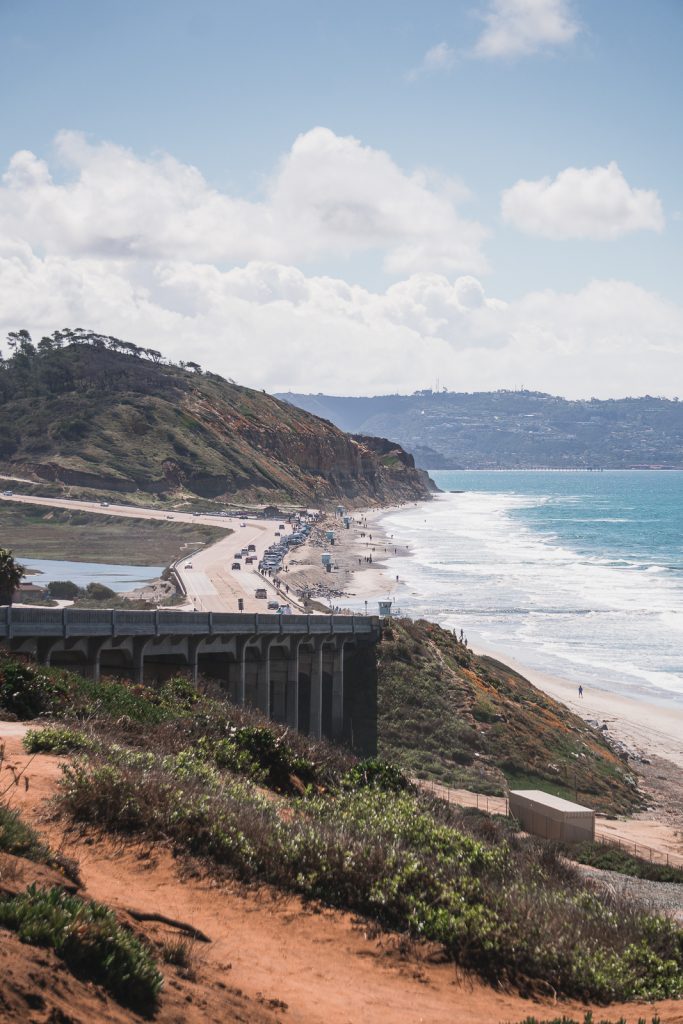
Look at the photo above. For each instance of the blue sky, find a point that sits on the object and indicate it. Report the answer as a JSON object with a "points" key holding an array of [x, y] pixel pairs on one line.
{"points": [[393, 244]]}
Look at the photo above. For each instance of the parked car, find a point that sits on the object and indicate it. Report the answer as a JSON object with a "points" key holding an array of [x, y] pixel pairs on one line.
{"points": [[273, 605], [8, 494], [235, 565], [261, 593], [188, 565]]}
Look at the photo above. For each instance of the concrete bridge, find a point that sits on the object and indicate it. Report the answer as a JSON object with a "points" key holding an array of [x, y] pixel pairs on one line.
{"points": [[291, 667]]}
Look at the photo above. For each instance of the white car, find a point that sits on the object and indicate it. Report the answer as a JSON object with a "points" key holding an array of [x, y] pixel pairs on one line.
{"points": [[188, 565]]}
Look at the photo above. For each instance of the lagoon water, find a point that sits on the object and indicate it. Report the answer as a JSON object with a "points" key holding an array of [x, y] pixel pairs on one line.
{"points": [[576, 574], [120, 578]]}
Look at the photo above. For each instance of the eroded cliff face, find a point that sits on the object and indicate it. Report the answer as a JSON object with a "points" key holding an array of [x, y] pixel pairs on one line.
{"points": [[138, 427]]}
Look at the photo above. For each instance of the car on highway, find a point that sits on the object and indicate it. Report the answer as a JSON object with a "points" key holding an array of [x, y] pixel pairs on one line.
{"points": [[236, 565], [188, 565], [238, 554], [252, 547]]}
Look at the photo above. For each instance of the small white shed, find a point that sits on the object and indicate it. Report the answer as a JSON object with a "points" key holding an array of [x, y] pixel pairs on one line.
{"points": [[551, 817]]}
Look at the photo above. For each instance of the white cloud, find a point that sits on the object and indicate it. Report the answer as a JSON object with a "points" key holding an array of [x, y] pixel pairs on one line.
{"points": [[594, 202], [517, 28], [329, 195], [439, 58], [270, 325], [148, 251]]}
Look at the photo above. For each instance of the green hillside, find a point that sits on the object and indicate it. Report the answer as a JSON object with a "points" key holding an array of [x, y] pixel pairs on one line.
{"points": [[92, 411], [452, 716]]}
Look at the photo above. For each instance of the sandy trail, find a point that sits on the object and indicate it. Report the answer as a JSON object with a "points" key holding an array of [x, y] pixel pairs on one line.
{"points": [[327, 966]]}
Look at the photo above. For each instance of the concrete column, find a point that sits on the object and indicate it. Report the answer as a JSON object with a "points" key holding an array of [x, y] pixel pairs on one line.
{"points": [[93, 653], [263, 680], [316, 719], [292, 692], [278, 689], [139, 645], [338, 691], [239, 690], [193, 658]]}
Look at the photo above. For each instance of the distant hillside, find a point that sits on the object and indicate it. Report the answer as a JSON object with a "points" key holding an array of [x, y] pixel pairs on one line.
{"points": [[514, 429], [94, 412]]}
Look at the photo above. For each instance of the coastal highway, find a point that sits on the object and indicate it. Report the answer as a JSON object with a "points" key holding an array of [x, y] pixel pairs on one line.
{"points": [[211, 584]]}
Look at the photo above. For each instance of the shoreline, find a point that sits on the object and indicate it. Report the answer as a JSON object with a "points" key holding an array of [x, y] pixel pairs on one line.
{"points": [[644, 726]]}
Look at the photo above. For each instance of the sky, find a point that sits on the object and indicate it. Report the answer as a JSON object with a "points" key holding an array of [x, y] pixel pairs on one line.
{"points": [[353, 198]]}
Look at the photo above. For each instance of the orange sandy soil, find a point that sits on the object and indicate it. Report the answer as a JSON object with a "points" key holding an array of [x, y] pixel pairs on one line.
{"points": [[272, 957]]}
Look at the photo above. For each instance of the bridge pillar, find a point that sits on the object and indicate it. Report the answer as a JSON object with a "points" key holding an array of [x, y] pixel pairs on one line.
{"points": [[93, 654], [139, 646], [193, 658], [263, 679], [316, 720], [338, 690], [292, 691], [279, 674]]}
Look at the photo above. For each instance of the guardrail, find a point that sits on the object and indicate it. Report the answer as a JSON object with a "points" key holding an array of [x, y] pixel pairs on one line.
{"points": [[75, 622]]}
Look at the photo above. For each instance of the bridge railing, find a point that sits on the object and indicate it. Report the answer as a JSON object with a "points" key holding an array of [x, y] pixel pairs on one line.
{"points": [[75, 622]]}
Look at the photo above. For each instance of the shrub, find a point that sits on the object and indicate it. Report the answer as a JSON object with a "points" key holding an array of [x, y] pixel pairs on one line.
{"points": [[609, 858], [56, 739], [19, 839], [496, 907], [64, 590], [377, 773], [98, 592], [27, 692], [87, 936]]}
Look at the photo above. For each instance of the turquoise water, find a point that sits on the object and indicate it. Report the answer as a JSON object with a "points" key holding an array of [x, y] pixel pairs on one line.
{"points": [[576, 574], [120, 578]]}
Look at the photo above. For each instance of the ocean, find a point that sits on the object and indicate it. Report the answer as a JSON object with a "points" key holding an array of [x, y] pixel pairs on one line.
{"points": [[576, 574]]}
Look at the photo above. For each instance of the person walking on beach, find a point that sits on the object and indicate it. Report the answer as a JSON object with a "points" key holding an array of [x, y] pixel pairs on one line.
{"points": [[581, 691]]}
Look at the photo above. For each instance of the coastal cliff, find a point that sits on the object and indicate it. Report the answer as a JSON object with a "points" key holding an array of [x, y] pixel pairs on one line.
{"points": [[452, 716], [96, 415]]}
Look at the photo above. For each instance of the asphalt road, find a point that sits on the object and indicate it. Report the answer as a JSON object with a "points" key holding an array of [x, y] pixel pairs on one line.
{"points": [[211, 584]]}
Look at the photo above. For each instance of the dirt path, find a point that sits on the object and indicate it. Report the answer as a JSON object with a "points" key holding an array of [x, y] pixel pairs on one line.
{"points": [[327, 967]]}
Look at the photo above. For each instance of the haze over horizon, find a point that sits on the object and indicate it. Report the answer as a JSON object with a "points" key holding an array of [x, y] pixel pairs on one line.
{"points": [[352, 201]]}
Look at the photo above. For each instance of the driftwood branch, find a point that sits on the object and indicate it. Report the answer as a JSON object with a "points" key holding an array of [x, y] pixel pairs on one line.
{"points": [[189, 929]]}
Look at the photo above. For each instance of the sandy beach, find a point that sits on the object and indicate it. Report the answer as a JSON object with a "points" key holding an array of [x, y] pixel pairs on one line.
{"points": [[360, 562], [646, 728]]}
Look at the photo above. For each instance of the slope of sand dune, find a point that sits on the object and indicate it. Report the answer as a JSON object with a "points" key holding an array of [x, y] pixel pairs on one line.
{"points": [[271, 956]]}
